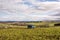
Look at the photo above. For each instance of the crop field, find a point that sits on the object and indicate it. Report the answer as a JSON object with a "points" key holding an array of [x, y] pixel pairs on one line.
{"points": [[23, 33]]}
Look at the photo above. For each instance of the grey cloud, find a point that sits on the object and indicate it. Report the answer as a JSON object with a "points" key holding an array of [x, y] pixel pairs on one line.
{"points": [[49, 0], [16, 9], [56, 14]]}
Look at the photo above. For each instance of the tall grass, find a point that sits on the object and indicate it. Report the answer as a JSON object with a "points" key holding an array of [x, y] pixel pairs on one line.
{"points": [[30, 34]]}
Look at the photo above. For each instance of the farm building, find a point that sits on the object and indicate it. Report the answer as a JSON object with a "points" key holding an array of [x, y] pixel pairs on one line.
{"points": [[57, 24], [30, 26]]}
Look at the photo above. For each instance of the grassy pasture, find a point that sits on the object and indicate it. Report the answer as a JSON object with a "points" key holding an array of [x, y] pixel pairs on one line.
{"points": [[30, 34], [15, 32], [18, 25]]}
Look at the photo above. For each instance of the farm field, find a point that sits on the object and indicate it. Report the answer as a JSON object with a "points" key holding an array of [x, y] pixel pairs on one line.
{"points": [[30, 34], [23, 33]]}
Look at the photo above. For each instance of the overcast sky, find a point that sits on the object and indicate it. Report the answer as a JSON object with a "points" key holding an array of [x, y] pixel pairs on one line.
{"points": [[29, 10]]}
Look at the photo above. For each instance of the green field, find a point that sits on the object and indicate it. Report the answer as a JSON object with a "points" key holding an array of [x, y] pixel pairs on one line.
{"points": [[37, 24], [23, 33], [30, 34]]}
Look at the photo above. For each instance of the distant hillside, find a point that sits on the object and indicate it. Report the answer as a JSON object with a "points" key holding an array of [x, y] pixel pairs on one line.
{"points": [[17, 21], [28, 21]]}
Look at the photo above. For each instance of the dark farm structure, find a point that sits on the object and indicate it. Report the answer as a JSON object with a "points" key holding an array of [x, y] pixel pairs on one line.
{"points": [[30, 26], [57, 24]]}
